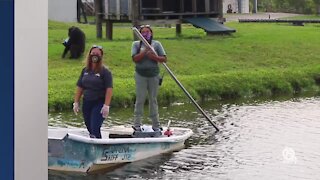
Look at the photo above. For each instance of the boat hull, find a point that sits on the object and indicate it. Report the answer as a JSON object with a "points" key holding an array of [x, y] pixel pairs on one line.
{"points": [[81, 154]]}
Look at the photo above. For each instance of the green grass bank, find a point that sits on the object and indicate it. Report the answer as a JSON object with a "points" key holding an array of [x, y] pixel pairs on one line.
{"points": [[304, 17], [257, 60]]}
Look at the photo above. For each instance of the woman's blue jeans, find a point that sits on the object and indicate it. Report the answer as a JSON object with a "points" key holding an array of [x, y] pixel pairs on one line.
{"points": [[92, 117]]}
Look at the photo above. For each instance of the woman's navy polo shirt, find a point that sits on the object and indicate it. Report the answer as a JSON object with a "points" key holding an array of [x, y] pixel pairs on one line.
{"points": [[94, 85]]}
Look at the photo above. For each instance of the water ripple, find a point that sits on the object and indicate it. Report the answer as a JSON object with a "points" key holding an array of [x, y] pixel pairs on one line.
{"points": [[253, 143]]}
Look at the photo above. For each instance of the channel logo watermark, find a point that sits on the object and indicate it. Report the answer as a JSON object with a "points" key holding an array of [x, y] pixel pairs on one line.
{"points": [[289, 156]]}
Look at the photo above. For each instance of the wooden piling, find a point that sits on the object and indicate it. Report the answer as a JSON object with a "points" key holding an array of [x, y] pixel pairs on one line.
{"points": [[98, 14], [135, 15], [178, 29], [109, 29]]}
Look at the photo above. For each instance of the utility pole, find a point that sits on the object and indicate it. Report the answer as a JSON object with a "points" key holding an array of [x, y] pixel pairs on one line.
{"points": [[255, 6]]}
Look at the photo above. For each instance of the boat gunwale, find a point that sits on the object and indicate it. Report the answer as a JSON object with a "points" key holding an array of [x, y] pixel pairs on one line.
{"points": [[171, 139]]}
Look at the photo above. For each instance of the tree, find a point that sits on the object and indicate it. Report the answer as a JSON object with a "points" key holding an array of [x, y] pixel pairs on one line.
{"points": [[265, 5], [292, 6], [317, 5], [298, 5], [282, 5]]}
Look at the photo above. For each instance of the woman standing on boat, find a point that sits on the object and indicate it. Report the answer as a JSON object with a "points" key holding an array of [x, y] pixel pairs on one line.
{"points": [[95, 84], [147, 76]]}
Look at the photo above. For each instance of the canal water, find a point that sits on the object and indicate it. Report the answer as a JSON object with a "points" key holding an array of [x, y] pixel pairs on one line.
{"points": [[271, 139]]}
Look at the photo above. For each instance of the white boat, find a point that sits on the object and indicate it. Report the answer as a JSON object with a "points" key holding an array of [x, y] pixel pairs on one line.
{"points": [[73, 150]]}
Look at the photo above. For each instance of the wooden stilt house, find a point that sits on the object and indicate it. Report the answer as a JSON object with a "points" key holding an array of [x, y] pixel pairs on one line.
{"points": [[205, 14]]}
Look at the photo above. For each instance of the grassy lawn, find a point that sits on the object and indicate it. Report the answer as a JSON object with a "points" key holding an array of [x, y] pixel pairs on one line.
{"points": [[257, 60], [304, 17]]}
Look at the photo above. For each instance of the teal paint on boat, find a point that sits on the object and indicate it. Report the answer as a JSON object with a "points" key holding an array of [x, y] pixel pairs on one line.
{"points": [[69, 162]]}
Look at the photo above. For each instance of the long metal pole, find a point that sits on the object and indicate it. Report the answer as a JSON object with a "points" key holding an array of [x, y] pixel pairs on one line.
{"points": [[145, 42]]}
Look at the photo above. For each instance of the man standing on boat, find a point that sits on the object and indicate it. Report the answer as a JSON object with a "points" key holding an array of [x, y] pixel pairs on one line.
{"points": [[147, 77]]}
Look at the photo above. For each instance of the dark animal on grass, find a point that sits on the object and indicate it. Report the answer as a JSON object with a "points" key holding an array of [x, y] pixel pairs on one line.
{"points": [[75, 43]]}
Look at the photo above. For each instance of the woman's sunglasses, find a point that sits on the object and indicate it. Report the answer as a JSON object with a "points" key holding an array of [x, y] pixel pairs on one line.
{"points": [[143, 26], [96, 46]]}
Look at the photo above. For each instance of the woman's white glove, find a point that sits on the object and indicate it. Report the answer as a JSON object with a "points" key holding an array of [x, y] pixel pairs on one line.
{"points": [[105, 111], [76, 108]]}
